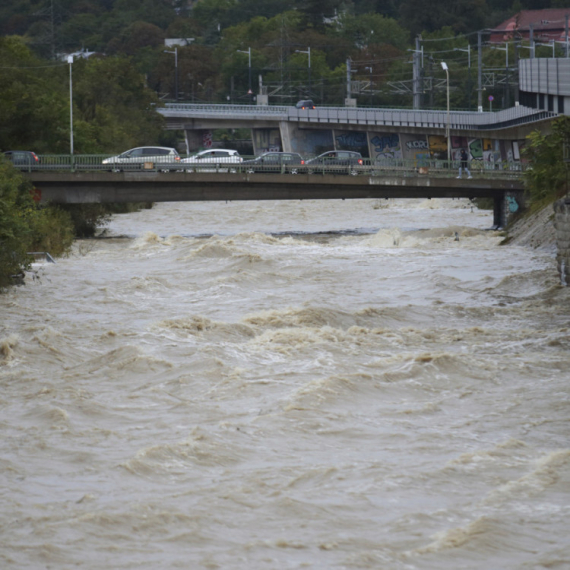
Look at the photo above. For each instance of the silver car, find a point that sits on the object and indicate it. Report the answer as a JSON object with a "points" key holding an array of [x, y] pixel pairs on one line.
{"points": [[144, 157], [212, 160]]}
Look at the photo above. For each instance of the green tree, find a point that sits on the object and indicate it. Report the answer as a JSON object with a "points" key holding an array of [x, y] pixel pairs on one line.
{"points": [[546, 180], [368, 29], [118, 110], [25, 226], [35, 108], [431, 15]]}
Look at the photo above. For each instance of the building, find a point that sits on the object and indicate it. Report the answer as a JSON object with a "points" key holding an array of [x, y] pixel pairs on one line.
{"points": [[538, 25]]}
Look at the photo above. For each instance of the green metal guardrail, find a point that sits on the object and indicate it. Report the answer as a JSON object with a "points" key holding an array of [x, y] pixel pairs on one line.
{"points": [[370, 167]]}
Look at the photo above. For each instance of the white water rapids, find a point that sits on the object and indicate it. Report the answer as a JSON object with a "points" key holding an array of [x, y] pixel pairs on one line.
{"points": [[286, 385]]}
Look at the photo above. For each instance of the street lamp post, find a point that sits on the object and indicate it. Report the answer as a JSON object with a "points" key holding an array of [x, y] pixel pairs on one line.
{"points": [[446, 69], [370, 86], [175, 52], [308, 52], [250, 92], [70, 61]]}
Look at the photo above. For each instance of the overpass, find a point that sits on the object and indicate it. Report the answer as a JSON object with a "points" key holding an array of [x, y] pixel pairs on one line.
{"points": [[400, 134], [83, 187]]}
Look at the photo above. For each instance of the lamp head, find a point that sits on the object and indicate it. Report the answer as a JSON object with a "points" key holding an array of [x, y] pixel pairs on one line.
{"points": [[444, 66]]}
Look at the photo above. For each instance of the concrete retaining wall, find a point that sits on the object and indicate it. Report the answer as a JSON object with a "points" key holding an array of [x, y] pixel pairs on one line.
{"points": [[562, 225]]}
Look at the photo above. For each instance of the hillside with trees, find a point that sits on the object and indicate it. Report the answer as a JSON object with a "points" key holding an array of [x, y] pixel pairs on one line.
{"points": [[129, 71]]}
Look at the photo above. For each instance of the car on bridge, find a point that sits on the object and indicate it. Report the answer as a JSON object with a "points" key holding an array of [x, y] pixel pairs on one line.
{"points": [[305, 104], [160, 157], [22, 157], [212, 160], [276, 162], [336, 162]]}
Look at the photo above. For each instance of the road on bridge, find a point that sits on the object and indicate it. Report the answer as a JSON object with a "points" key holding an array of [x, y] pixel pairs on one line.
{"points": [[152, 186]]}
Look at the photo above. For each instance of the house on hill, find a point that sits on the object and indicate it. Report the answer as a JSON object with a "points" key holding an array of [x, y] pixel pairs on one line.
{"points": [[541, 25]]}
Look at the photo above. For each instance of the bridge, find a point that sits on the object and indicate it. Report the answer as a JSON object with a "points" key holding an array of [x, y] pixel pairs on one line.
{"points": [[402, 134], [94, 185]]}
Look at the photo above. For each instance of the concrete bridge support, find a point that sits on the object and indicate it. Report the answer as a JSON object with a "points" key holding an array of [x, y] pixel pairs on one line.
{"points": [[505, 207], [194, 139]]}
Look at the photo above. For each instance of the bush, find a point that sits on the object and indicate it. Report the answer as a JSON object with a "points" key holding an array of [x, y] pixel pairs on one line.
{"points": [[25, 226], [545, 180]]}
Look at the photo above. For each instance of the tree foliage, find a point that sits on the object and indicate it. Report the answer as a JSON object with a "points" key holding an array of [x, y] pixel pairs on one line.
{"points": [[26, 227], [547, 178]]}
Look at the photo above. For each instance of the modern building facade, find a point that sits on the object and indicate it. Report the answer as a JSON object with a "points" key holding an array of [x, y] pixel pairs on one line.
{"points": [[544, 83]]}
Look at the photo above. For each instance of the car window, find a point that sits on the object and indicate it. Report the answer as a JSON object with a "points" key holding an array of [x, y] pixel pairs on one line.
{"points": [[134, 152]]}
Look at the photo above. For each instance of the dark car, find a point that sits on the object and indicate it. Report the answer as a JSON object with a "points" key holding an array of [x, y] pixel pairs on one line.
{"points": [[336, 162], [305, 104], [278, 162], [22, 157]]}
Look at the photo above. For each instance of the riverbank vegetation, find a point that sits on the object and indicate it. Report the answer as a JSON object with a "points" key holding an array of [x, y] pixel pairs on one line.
{"points": [[549, 154], [26, 227]]}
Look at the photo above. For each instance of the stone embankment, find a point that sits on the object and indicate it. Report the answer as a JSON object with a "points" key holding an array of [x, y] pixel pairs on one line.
{"points": [[562, 225], [547, 230]]}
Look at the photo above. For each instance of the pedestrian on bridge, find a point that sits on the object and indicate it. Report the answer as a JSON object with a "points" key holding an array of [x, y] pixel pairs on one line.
{"points": [[464, 164]]}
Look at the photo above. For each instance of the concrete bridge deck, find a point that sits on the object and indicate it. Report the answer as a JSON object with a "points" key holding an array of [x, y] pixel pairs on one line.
{"points": [[153, 186]]}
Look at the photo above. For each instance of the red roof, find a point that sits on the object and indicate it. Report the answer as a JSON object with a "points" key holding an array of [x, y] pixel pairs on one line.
{"points": [[547, 24]]}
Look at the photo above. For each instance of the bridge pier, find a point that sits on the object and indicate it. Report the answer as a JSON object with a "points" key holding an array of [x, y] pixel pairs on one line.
{"points": [[505, 207]]}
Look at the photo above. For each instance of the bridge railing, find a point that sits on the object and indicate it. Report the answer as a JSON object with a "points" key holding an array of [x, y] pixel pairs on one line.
{"points": [[369, 167]]}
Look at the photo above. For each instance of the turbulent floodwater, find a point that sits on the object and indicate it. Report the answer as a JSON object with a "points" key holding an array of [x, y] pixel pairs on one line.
{"points": [[283, 385]]}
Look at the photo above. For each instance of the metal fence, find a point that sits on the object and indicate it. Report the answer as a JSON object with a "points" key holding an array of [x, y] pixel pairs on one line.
{"points": [[369, 167]]}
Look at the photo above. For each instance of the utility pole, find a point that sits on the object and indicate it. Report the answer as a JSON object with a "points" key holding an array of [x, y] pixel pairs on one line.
{"points": [[566, 35], [175, 52], [417, 91], [516, 84], [348, 78], [479, 73]]}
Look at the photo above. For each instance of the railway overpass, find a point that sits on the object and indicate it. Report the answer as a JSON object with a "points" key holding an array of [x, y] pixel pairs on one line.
{"points": [[399, 134]]}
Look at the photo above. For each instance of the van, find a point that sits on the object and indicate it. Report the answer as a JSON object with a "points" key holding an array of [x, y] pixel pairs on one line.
{"points": [[305, 104]]}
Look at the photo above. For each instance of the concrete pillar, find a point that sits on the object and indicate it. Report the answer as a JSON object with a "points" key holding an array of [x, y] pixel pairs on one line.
{"points": [[194, 140], [498, 210], [505, 207], [287, 132]]}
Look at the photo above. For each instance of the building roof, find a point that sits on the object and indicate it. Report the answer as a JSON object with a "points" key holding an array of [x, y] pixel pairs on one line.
{"points": [[548, 24]]}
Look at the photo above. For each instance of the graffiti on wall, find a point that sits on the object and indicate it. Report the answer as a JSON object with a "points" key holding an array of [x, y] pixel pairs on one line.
{"points": [[438, 146], [414, 147], [476, 149], [417, 144], [356, 141], [386, 146], [207, 139], [312, 142]]}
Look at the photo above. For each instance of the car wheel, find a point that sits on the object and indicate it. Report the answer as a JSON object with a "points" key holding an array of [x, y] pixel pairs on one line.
{"points": [[294, 171]]}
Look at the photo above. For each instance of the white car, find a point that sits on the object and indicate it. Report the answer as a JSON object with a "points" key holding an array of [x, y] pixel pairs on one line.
{"points": [[213, 160], [136, 158]]}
